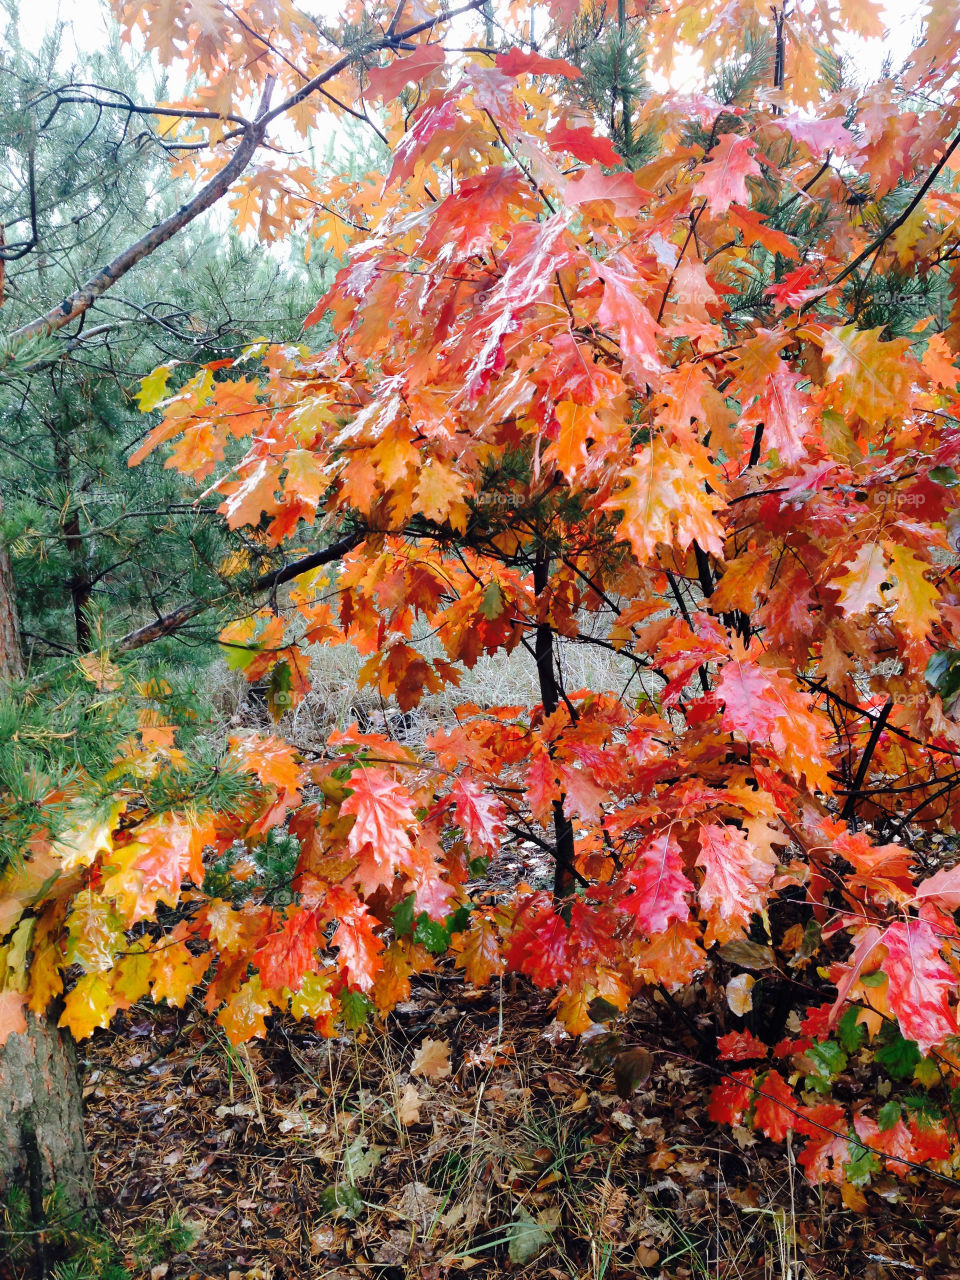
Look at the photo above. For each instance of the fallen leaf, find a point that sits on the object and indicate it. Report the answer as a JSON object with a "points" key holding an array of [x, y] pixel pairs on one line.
{"points": [[432, 1059], [527, 1238], [740, 993], [418, 1203], [408, 1109]]}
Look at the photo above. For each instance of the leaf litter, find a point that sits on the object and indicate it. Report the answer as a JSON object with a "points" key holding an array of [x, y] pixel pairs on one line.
{"points": [[471, 1135]]}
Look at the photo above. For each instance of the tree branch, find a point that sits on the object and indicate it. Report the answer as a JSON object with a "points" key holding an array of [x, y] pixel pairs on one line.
{"points": [[173, 621]]}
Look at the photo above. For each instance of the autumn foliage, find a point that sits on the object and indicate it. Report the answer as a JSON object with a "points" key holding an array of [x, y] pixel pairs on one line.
{"points": [[570, 402]]}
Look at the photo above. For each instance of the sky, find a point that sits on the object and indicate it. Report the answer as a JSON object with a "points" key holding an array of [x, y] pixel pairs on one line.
{"points": [[89, 25]]}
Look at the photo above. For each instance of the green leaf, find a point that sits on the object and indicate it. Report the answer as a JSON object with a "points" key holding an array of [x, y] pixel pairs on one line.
{"points": [[527, 1238], [460, 919], [828, 1058], [876, 979], [862, 1165], [888, 1115], [359, 1160], [342, 1201], [601, 1010], [153, 388], [402, 917], [924, 1108], [431, 934], [943, 673], [492, 604], [356, 1008], [899, 1057], [943, 475], [851, 1032]]}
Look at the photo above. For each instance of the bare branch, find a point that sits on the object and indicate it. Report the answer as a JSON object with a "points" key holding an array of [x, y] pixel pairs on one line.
{"points": [[168, 623]]}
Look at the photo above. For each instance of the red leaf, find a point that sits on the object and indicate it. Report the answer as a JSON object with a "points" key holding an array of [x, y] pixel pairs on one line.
{"points": [[540, 946], [479, 814], [737, 1046], [359, 954], [287, 955], [729, 1100], [893, 1142], [920, 982], [736, 875], [728, 166], [380, 838], [586, 145], [775, 1114], [515, 62], [387, 82], [659, 886]]}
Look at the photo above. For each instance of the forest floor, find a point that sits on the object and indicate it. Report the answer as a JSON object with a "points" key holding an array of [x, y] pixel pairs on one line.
{"points": [[501, 1149]]}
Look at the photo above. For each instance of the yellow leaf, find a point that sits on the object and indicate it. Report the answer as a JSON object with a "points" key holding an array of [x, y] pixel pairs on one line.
{"points": [[153, 388], [89, 1005], [131, 977], [45, 979], [913, 596], [243, 1016], [333, 230], [873, 377]]}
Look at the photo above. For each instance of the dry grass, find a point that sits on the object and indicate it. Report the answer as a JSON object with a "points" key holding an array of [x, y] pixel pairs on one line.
{"points": [[336, 701]]}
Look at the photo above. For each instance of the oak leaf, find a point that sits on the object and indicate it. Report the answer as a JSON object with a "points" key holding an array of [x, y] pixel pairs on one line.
{"points": [[432, 1059], [725, 172]]}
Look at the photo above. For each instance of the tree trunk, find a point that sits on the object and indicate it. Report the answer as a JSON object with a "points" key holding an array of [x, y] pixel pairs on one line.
{"points": [[41, 1143], [564, 878], [11, 653], [41, 1118]]}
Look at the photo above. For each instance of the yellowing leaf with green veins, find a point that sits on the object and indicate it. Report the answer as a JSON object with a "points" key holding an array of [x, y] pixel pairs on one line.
{"points": [[95, 934], [81, 845], [314, 998]]}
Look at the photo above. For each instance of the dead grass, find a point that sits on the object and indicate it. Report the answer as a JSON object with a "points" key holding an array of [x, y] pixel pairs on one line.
{"points": [[504, 680]]}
